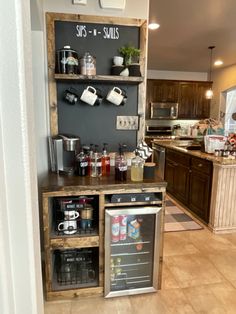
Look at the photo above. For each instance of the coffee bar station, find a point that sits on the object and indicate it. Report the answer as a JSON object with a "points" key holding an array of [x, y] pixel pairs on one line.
{"points": [[103, 204]]}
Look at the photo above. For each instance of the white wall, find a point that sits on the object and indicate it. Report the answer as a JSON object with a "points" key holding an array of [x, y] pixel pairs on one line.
{"points": [[20, 267], [177, 75], [223, 79], [134, 8]]}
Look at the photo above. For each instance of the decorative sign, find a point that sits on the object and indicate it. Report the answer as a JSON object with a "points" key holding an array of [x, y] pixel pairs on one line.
{"points": [[83, 31]]}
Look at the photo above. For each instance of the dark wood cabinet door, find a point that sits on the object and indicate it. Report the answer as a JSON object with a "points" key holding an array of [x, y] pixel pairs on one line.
{"points": [[169, 175], [164, 91], [202, 105], [181, 183], [199, 194], [187, 91]]}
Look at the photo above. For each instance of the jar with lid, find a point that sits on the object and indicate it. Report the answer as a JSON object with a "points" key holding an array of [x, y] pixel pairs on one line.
{"points": [[88, 64], [137, 164], [67, 61]]}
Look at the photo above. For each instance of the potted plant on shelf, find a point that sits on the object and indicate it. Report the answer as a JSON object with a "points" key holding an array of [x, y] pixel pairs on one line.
{"points": [[131, 59]]}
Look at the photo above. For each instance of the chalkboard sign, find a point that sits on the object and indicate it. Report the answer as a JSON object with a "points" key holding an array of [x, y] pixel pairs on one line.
{"points": [[96, 124], [101, 36]]}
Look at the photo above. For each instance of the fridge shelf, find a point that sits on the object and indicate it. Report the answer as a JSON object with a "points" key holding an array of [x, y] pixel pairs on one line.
{"points": [[129, 243], [129, 254]]}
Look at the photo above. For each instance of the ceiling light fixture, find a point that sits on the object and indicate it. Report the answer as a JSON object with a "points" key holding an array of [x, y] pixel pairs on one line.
{"points": [[153, 26], [209, 92], [218, 62]]}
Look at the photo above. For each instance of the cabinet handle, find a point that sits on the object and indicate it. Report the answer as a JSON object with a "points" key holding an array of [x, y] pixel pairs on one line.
{"points": [[175, 164], [199, 165], [190, 171]]}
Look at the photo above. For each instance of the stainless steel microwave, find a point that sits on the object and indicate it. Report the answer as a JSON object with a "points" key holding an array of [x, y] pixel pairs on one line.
{"points": [[163, 110]]}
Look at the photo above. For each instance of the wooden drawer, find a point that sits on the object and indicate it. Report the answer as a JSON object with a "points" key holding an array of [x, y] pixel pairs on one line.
{"points": [[201, 165], [178, 158]]}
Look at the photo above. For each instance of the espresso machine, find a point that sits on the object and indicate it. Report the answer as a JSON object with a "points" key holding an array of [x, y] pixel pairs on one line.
{"points": [[62, 150]]}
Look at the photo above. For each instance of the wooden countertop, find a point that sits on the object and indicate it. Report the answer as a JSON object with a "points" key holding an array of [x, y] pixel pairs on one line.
{"points": [[56, 182], [197, 153]]}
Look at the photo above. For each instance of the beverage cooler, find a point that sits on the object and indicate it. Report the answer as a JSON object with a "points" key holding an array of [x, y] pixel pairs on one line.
{"points": [[132, 246]]}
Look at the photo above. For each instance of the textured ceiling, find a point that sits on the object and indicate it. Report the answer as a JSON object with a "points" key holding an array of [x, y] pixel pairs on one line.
{"points": [[187, 28]]}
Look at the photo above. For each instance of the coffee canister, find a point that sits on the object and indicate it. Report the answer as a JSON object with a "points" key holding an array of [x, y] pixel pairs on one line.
{"points": [[67, 61]]}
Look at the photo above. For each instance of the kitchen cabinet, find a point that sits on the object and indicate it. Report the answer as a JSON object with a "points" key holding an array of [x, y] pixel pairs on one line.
{"points": [[200, 188], [190, 96], [74, 257], [177, 174], [162, 91], [189, 181]]}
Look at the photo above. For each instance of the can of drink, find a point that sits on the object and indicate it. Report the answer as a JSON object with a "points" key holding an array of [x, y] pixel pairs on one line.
{"points": [[123, 227], [115, 229]]}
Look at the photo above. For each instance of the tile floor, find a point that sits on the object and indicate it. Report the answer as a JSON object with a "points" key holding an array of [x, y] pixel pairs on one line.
{"points": [[199, 276]]}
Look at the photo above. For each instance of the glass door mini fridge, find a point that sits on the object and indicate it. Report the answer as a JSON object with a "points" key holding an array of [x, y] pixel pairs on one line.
{"points": [[132, 250]]}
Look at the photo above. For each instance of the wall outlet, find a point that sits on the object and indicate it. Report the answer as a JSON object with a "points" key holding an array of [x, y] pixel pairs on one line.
{"points": [[84, 2], [127, 122]]}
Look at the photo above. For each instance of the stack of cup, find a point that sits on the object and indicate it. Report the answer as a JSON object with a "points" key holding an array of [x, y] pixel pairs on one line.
{"points": [[118, 66]]}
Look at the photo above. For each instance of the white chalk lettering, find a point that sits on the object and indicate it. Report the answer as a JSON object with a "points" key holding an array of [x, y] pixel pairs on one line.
{"points": [[111, 32], [81, 31]]}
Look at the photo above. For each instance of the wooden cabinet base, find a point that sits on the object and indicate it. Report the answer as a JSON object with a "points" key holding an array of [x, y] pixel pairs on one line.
{"points": [[75, 293]]}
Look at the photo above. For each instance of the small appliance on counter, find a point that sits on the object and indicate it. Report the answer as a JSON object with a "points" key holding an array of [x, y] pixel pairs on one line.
{"points": [[63, 149], [160, 132]]}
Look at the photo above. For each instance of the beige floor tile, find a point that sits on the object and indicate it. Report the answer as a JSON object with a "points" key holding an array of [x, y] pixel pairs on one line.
{"points": [[225, 263], [57, 307], [149, 304], [168, 280], [179, 243], [203, 300], [207, 242], [175, 301], [193, 270], [99, 305]]}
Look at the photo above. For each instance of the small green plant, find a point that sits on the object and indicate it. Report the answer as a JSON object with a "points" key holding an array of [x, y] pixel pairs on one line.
{"points": [[129, 53]]}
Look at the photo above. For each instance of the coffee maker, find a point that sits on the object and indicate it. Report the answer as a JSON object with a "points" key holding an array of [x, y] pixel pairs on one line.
{"points": [[62, 150]]}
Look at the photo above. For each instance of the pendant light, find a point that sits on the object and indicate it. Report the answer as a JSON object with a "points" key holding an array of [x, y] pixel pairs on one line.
{"points": [[209, 92]]}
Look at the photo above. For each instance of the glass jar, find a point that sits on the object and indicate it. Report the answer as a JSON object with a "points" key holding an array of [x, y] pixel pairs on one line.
{"points": [[137, 164], [88, 64]]}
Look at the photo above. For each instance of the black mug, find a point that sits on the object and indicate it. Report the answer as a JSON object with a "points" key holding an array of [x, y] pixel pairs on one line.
{"points": [[70, 95]]}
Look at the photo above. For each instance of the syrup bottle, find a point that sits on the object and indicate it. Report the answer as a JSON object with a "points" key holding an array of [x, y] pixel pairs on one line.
{"points": [[96, 164], [105, 161], [82, 164], [121, 165], [89, 157]]}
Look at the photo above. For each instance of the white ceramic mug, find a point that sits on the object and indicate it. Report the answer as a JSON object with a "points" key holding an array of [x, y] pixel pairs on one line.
{"points": [[89, 95], [117, 60], [115, 96], [70, 214], [68, 226]]}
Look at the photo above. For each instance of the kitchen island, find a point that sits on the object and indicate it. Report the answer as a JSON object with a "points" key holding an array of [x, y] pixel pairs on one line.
{"points": [[137, 247], [222, 198]]}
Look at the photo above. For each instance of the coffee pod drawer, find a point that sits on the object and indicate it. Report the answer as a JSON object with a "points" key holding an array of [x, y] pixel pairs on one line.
{"points": [[134, 197]]}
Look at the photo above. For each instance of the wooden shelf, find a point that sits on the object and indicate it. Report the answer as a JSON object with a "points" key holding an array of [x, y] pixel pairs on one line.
{"points": [[100, 78], [76, 242]]}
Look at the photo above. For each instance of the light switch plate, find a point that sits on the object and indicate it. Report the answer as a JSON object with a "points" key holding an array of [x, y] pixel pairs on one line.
{"points": [[127, 122], [84, 2], [113, 4]]}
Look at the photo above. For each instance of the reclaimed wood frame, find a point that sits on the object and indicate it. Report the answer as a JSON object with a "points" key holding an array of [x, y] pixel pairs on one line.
{"points": [[52, 90]]}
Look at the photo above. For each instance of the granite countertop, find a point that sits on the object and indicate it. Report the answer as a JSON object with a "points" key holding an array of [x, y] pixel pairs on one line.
{"points": [[196, 153]]}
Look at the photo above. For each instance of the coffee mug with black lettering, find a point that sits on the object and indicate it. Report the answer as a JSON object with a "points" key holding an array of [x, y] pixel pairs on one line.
{"points": [[89, 96], [68, 226], [116, 96], [70, 214]]}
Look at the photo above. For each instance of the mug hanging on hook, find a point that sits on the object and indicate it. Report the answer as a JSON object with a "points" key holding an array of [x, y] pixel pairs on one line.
{"points": [[71, 96]]}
